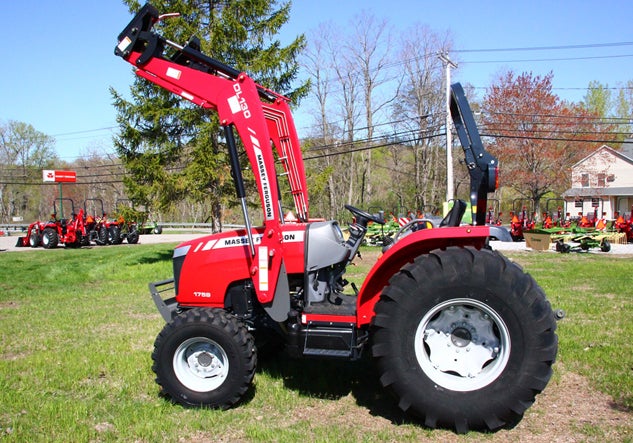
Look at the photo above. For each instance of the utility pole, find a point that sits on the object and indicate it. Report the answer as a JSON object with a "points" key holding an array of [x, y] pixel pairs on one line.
{"points": [[448, 64]]}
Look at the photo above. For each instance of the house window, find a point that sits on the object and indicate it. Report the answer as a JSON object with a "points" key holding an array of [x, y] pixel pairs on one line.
{"points": [[578, 203], [584, 180], [602, 180]]}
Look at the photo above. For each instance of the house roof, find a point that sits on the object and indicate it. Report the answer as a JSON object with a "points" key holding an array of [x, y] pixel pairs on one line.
{"points": [[627, 149], [625, 153], [598, 192]]}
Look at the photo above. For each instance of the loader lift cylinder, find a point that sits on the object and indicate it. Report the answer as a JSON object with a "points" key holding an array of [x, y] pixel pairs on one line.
{"points": [[236, 172]]}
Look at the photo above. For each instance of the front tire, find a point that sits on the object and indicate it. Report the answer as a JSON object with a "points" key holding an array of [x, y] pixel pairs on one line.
{"points": [[464, 339], [35, 239], [204, 357]]}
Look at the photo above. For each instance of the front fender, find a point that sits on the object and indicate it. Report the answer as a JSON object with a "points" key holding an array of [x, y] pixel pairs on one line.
{"points": [[405, 251]]}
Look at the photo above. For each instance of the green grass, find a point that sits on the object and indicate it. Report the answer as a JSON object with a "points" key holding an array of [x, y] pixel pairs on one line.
{"points": [[596, 292], [77, 329]]}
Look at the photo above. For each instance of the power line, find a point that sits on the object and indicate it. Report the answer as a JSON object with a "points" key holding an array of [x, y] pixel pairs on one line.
{"points": [[107, 128], [547, 59], [547, 48]]}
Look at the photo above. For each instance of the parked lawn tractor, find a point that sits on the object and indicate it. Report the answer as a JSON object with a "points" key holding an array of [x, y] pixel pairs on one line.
{"points": [[460, 335], [69, 232]]}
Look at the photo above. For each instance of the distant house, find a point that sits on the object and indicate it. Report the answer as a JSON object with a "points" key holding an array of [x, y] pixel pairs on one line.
{"points": [[602, 182]]}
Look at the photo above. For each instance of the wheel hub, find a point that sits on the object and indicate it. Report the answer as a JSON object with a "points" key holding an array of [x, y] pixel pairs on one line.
{"points": [[204, 364], [461, 337], [462, 344], [201, 364]]}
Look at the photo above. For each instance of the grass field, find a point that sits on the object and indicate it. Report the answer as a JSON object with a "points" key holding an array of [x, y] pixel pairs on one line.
{"points": [[77, 329]]}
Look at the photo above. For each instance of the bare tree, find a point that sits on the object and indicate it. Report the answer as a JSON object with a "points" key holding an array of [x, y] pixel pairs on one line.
{"points": [[317, 62], [419, 111], [368, 47]]}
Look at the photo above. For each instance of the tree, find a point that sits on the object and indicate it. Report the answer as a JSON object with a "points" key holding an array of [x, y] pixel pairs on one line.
{"points": [[369, 50], [418, 112], [614, 111], [317, 61], [24, 152], [536, 136], [597, 100], [171, 149]]}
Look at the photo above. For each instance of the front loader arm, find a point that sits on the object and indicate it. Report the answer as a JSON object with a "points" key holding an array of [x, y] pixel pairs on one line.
{"points": [[258, 115]]}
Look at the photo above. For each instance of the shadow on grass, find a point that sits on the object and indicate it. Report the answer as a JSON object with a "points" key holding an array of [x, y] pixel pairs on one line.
{"points": [[335, 379], [159, 256]]}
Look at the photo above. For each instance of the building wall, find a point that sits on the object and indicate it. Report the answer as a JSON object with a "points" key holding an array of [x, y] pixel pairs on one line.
{"points": [[617, 172], [602, 169]]}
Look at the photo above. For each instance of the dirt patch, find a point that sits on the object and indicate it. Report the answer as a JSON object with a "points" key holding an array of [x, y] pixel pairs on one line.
{"points": [[569, 410]]}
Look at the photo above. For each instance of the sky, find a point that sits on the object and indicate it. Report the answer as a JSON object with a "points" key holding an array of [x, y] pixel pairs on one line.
{"points": [[57, 61]]}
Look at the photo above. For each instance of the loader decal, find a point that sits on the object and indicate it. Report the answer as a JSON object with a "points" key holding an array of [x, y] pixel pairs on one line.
{"points": [[263, 179], [237, 103], [229, 242], [174, 73]]}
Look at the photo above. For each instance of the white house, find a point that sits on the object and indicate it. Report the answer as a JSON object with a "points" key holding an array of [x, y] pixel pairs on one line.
{"points": [[602, 182]]}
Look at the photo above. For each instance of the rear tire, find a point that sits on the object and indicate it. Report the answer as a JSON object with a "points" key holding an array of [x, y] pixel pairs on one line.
{"points": [[464, 339], [102, 236], [50, 238], [114, 235], [133, 236], [204, 357]]}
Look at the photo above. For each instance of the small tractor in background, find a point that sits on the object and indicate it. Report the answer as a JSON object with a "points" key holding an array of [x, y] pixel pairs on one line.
{"points": [[624, 225], [521, 219], [69, 232], [461, 336], [98, 228], [127, 220], [142, 219]]}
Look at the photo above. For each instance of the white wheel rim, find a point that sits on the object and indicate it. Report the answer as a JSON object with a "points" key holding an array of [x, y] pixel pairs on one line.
{"points": [[462, 344], [200, 364]]}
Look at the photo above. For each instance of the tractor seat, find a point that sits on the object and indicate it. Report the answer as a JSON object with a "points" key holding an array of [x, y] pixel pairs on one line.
{"points": [[454, 216]]}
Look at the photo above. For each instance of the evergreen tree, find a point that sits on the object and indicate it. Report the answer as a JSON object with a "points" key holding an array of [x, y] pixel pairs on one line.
{"points": [[172, 150]]}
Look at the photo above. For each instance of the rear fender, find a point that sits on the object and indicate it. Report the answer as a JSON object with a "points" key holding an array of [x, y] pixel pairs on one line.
{"points": [[405, 251]]}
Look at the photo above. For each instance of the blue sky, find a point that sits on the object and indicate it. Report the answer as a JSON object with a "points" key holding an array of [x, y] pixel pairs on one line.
{"points": [[58, 63]]}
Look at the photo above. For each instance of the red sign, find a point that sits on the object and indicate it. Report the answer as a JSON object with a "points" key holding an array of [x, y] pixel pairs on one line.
{"points": [[59, 176]]}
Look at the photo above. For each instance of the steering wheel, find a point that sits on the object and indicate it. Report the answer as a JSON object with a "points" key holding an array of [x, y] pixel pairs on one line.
{"points": [[364, 214]]}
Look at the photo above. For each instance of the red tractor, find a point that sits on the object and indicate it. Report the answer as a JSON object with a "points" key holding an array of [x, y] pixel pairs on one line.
{"points": [[461, 336], [70, 232], [624, 226], [98, 227], [104, 231]]}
